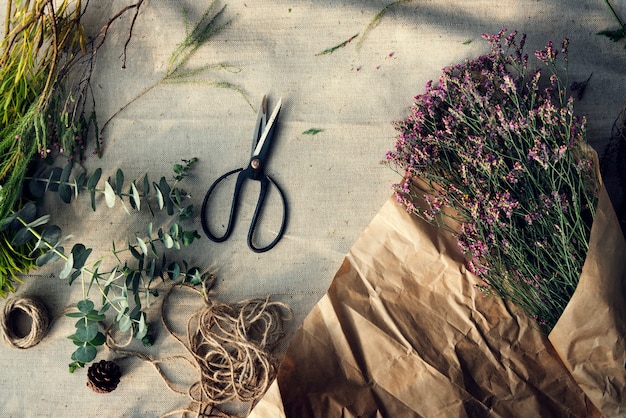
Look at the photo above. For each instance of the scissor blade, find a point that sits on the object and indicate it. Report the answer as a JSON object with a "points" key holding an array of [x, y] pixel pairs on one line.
{"points": [[267, 130], [261, 122]]}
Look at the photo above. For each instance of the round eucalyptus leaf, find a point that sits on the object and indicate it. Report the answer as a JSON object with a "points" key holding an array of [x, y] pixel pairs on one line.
{"points": [[85, 354], [54, 178], [85, 306], [49, 257], [22, 237], [50, 236], [88, 333]]}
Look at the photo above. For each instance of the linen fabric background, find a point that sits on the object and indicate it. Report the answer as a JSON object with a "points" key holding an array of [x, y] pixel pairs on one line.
{"points": [[333, 180]]}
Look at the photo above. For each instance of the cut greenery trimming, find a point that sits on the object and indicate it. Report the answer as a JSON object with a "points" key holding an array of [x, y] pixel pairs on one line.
{"points": [[46, 106], [494, 154], [312, 131], [40, 44], [338, 46], [615, 35], [127, 287], [210, 24]]}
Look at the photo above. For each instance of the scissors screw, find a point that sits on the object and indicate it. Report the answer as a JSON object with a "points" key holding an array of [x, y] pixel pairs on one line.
{"points": [[255, 164]]}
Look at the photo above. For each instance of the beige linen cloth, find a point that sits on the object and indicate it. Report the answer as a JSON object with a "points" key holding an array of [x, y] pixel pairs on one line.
{"points": [[335, 186]]}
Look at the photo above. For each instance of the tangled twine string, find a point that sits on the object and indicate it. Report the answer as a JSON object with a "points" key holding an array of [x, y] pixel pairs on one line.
{"points": [[39, 317], [231, 344], [231, 349]]}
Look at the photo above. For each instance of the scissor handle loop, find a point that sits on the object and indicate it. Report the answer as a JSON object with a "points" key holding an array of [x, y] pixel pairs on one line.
{"points": [[265, 180], [233, 208]]}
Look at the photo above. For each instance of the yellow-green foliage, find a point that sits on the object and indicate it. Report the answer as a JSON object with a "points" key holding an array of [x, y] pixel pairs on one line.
{"points": [[40, 42]]}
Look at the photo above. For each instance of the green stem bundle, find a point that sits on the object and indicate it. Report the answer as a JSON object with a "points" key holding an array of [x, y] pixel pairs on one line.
{"points": [[41, 40]]}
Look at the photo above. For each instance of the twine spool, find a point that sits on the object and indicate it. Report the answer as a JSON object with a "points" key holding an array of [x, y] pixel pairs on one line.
{"points": [[32, 308]]}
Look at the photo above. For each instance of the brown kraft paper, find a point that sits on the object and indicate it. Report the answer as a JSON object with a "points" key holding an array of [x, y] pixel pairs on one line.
{"points": [[403, 332]]}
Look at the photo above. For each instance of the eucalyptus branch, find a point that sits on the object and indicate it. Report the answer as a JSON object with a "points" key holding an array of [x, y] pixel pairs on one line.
{"points": [[126, 288], [168, 196]]}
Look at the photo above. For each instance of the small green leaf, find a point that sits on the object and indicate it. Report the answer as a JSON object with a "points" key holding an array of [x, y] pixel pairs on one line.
{"points": [[91, 186], [121, 301], [88, 333], [54, 178], [94, 179], [65, 190], [28, 212], [146, 185], [65, 193], [22, 237], [50, 236], [6, 222], [85, 354], [121, 313], [49, 257], [109, 194], [185, 213], [111, 278], [312, 131], [136, 254], [194, 276], [99, 339], [159, 196], [75, 365], [167, 240], [75, 315], [81, 254], [119, 181], [142, 246], [37, 186], [174, 228], [151, 269], [39, 221], [135, 196], [165, 188], [95, 316], [67, 269], [76, 340], [85, 306], [125, 323], [189, 237], [80, 181], [142, 328], [105, 307], [174, 270], [73, 276]]}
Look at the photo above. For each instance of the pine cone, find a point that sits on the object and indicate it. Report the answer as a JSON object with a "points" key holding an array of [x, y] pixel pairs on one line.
{"points": [[103, 377]]}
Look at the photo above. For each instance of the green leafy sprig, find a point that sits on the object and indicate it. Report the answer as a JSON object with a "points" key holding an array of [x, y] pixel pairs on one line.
{"points": [[127, 288], [166, 196], [614, 35], [178, 70]]}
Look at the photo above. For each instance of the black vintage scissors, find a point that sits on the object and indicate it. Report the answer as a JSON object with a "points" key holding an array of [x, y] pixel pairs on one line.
{"points": [[261, 142]]}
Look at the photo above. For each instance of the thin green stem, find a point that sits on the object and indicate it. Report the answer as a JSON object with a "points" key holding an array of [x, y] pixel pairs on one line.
{"points": [[614, 13]]}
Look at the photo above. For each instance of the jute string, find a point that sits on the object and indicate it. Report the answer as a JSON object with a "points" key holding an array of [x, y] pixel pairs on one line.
{"points": [[230, 347], [35, 310]]}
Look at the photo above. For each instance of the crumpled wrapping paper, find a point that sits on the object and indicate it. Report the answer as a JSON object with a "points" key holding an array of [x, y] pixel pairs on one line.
{"points": [[403, 332]]}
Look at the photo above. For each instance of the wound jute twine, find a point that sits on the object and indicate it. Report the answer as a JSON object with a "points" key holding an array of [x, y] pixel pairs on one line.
{"points": [[36, 312], [230, 347]]}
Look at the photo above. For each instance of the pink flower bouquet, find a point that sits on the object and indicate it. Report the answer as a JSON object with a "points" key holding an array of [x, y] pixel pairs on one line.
{"points": [[496, 148]]}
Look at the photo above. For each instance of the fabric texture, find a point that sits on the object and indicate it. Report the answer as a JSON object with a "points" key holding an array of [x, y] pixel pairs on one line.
{"points": [[333, 179]]}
